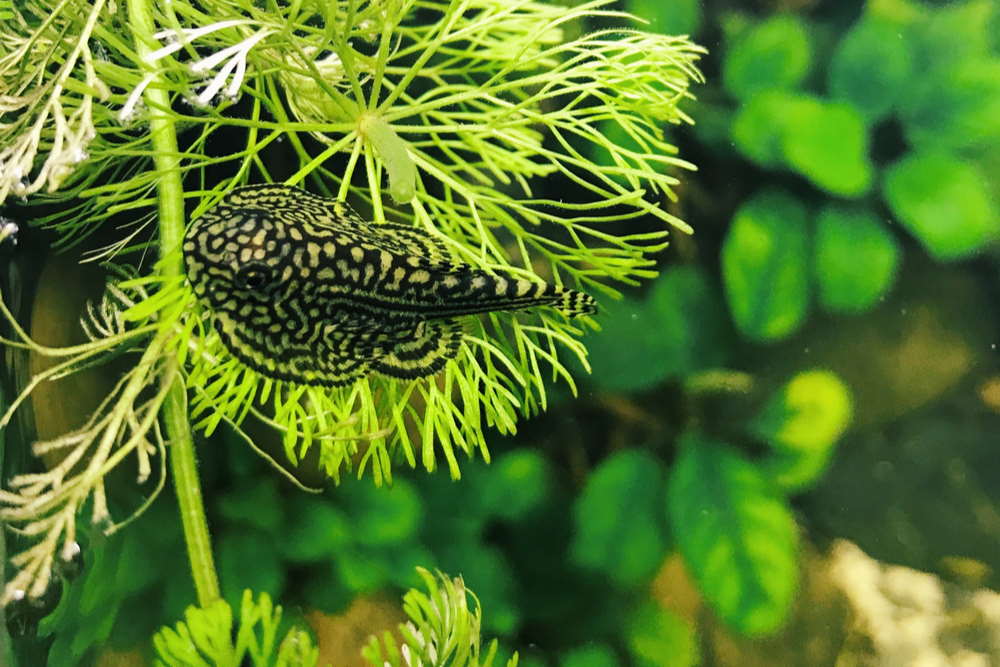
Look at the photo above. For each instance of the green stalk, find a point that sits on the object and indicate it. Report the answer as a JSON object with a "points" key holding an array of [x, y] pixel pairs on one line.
{"points": [[171, 229]]}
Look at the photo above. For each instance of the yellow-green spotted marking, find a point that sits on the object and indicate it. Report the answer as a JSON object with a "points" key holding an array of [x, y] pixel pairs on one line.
{"points": [[304, 290]]}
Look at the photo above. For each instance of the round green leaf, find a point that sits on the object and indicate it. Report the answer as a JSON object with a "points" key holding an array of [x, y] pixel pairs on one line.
{"points": [[658, 638], [359, 571], [856, 259], [628, 484], [759, 125], [736, 534], [952, 33], [677, 17], [384, 516], [515, 484], [773, 54], [944, 202], [404, 561], [802, 422], [318, 531], [955, 108], [828, 144], [870, 67], [765, 266]]}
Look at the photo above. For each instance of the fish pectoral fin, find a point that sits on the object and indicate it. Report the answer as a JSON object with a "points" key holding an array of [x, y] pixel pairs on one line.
{"points": [[432, 345]]}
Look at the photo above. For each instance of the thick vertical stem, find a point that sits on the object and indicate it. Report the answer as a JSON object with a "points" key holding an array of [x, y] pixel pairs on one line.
{"points": [[185, 473], [163, 136]]}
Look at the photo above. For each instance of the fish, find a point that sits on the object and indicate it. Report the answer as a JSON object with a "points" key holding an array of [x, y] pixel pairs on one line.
{"points": [[302, 289]]}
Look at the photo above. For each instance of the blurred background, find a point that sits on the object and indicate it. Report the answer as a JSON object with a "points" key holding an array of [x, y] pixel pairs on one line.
{"points": [[786, 450]]}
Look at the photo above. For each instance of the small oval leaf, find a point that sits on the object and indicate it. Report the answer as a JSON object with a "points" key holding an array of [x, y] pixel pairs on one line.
{"points": [[856, 258], [765, 266], [658, 637]]}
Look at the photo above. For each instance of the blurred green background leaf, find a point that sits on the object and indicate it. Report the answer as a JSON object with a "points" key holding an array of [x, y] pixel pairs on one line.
{"points": [[657, 637], [803, 422], [775, 53], [855, 259], [871, 67], [765, 263], [736, 533], [629, 484], [944, 202], [678, 328]]}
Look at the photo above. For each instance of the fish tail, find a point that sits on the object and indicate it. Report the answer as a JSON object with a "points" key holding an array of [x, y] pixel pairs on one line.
{"points": [[573, 303]]}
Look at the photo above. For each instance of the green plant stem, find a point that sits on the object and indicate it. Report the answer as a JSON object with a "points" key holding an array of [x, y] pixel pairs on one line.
{"points": [[163, 136], [185, 472]]}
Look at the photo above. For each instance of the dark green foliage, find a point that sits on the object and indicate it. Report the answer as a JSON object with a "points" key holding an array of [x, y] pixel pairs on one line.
{"points": [[627, 552], [131, 583], [678, 328], [589, 656], [775, 53], [236, 551], [680, 17], [736, 533], [518, 483], [870, 67]]}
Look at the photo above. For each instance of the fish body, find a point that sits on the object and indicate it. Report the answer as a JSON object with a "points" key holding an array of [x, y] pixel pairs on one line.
{"points": [[302, 289]]}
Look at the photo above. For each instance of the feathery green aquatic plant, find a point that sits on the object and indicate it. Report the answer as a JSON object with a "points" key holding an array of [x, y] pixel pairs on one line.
{"points": [[454, 108], [207, 636], [441, 629]]}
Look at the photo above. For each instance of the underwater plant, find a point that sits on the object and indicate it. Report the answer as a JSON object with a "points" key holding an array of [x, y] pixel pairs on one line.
{"points": [[441, 629], [143, 116]]}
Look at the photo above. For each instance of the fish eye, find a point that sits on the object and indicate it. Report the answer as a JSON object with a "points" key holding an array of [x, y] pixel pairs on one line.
{"points": [[254, 276]]}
